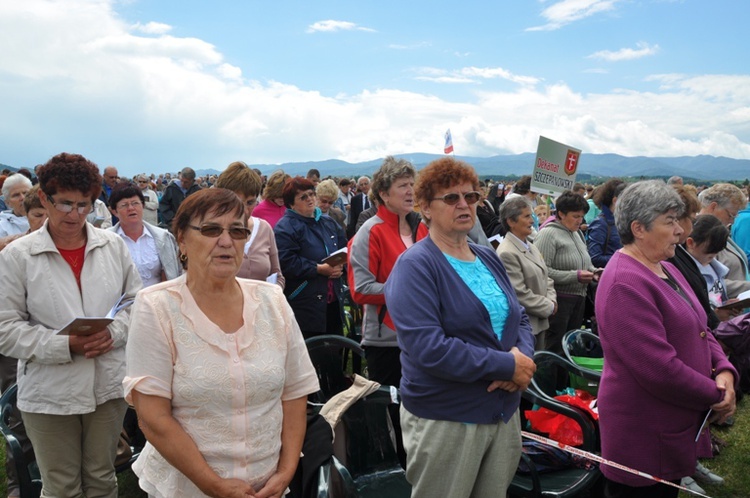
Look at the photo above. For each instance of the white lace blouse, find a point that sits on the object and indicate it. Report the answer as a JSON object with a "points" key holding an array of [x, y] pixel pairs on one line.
{"points": [[226, 389]]}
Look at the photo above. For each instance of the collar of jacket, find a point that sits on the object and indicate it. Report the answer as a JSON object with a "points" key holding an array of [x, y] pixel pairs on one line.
{"points": [[43, 240], [390, 218], [315, 217]]}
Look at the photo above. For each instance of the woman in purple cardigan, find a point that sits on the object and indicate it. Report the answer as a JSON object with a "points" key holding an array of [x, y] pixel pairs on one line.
{"points": [[664, 370], [466, 347]]}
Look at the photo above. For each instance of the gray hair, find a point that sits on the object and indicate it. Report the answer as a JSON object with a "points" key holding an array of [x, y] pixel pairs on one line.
{"points": [[14, 181], [511, 209], [188, 173], [391, 170], [725, 195], [644, 202]]}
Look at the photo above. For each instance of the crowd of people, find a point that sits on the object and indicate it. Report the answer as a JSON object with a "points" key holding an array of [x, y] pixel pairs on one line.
{"points": [[231, 273]]}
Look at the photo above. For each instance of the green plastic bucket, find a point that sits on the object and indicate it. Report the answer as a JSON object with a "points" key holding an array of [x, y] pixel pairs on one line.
{"points": [[577, 382]]}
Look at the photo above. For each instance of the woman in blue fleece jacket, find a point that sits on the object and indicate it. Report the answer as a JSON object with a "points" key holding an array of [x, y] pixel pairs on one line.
{"points": [[465, 346]]}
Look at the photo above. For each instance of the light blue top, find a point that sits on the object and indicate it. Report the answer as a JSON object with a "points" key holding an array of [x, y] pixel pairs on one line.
{"points": [[741, 230], [484, 286]]}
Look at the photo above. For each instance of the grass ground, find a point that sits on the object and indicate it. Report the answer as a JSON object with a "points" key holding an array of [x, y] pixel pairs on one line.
{"points": [[733, 464]]}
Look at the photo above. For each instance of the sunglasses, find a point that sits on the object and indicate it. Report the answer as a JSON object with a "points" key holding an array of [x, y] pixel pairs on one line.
{"points": [[453, 198], [306, 196], [213, 231]]}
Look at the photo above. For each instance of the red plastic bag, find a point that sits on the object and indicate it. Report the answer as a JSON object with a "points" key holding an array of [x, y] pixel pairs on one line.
{"points": [[559, 427]]}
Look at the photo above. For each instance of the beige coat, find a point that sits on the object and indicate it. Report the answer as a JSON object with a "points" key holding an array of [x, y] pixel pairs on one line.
{"points": [[530, 279], [39, 295]]}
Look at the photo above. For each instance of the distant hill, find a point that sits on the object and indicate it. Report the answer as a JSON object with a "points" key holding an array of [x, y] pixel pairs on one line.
{"points": [[591, 166]]}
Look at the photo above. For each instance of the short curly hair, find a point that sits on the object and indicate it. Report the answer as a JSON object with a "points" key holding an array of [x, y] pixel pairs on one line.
{"points": [[441, 174], [327, 188], [71, 172], [391, 170]]}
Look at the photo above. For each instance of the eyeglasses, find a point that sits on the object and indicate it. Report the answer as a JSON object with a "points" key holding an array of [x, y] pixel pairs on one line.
{"points": [[453, 198], [133, 204], [308, 195], [67, 207], [732, 214], [213, 231]]}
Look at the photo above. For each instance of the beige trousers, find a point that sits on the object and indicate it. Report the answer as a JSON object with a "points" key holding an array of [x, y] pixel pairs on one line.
{"points": [[460, 460], [76, 453]]}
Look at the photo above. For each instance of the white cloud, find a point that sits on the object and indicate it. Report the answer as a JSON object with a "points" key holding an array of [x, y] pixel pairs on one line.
{"points": [[153, 28], [230, 72], [471, 75], [626, 54], [80, 80], [567, 11], [330, 26], [499, 73]]}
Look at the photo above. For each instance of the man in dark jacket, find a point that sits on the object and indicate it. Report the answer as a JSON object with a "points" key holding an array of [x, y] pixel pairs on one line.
{"points": [[174, 194], [360, 202]]}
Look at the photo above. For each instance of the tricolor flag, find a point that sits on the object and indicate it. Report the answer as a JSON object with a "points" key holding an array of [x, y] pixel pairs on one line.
{"points": [[448, 142]]}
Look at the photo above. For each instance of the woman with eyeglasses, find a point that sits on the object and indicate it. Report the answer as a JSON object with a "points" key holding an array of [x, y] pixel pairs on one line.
{"points": [[305, 238], [69, 386], [217, 367], [261, 258], [153, 249], [466, 347]]}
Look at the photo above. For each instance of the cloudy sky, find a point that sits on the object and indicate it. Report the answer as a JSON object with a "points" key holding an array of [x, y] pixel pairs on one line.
{"points": [[156, 85]]}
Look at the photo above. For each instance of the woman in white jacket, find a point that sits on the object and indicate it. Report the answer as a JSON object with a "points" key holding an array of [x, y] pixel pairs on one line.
{"points": [[69, 386]]}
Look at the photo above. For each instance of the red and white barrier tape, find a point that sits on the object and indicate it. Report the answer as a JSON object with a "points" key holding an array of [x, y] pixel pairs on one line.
{"points": [[597, 458]]}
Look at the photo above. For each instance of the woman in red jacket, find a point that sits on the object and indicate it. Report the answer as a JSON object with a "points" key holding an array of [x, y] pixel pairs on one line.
{"points": [[373, 252]]}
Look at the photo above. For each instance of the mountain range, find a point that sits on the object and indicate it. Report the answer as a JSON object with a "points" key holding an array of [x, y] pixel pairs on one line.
{"points": [[591, 166]]}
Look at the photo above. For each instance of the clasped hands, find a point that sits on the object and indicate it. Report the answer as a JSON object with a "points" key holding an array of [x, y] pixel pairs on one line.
{"points": [[525, 368], [92, 345]]}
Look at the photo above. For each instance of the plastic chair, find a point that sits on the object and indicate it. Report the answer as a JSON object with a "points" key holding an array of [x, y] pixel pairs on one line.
{"points": [[568, 482], [336, 359], [365, 463], [583, 348], [29, 480], [553, 374]]}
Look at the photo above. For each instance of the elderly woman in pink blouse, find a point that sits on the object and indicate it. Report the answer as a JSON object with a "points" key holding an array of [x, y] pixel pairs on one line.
{"points": [[261, 259], [216, 367]]}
